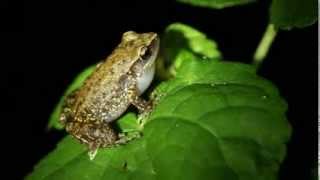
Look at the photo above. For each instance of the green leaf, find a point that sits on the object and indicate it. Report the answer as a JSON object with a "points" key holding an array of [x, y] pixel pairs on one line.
{"points": [[216, 4], [76, 83], [286, 14], [180, 37], [213, 120]]}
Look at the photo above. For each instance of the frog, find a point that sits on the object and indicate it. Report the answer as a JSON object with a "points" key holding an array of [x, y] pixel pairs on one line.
{"points": [[116, 83]]}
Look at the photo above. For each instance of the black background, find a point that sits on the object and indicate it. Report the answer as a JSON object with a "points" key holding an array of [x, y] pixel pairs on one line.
{"points": [[45, 44]]}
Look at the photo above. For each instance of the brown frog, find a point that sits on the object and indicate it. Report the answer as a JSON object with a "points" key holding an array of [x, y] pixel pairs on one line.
{"points": [[116, 83]]}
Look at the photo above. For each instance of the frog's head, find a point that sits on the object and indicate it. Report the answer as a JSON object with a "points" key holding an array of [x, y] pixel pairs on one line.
{"points": [[145, 47]]}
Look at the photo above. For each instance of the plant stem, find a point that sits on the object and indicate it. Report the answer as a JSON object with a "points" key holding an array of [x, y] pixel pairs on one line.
{"points": [[264, 45]]}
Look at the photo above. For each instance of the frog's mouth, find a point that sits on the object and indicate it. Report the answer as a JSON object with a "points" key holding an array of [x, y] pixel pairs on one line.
{"points": [[151, 53]]}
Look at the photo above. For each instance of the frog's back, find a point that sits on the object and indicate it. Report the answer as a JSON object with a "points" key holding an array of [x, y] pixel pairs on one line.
{"points": [[102, 98]]}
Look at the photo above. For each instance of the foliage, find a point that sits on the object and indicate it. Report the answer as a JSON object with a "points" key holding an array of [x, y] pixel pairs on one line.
{"points": [[213, 120]]}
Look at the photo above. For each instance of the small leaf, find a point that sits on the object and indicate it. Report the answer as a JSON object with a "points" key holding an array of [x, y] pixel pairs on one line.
{"points": [[286, 14], [180, 37], [216, 4]]}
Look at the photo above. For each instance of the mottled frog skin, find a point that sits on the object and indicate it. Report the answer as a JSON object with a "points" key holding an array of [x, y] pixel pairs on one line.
{"points": [[117, 82]]}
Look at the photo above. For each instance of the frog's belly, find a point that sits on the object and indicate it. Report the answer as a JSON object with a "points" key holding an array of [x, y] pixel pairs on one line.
{"points": [[121, 103]]}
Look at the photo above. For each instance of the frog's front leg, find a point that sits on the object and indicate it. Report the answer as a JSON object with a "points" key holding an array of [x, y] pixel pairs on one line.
{"points": [[144, 107]]}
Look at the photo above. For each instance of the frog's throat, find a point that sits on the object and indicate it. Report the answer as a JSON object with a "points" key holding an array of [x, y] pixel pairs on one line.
{"points": [[145, 79]]}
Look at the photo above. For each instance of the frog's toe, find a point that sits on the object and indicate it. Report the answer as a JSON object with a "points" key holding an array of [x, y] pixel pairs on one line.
{"points": [[92, 154]]}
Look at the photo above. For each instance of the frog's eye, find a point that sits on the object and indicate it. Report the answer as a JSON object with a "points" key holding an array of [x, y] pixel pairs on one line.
{"points": [[147, 53]]}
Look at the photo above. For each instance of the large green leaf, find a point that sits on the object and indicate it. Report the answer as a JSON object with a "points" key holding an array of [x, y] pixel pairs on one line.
{"points": [[213, 120], [217, 4], [286, 14]]}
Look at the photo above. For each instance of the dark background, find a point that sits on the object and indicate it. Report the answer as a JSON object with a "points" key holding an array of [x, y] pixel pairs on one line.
{"points": [[45, 44]]}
